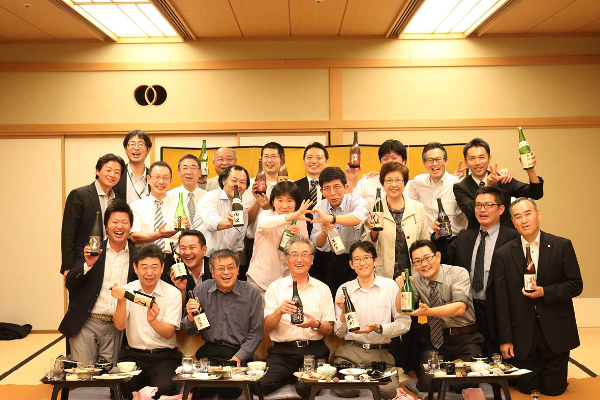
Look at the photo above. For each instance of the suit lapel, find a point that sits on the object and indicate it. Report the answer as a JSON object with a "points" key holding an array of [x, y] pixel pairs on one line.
{"points": [[471, 185], [470, 248], [544, 256], [93, 197], [518, 256]]}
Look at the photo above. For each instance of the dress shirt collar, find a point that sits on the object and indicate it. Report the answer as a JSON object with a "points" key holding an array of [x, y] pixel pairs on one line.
{"points": [[236, 287], [109, 247], [290, 282], [111, 194], [223, 195], [444, 177], [354, 284], [154, 199], [439, 278], [477, 181], [310, 180], [535, 242], [493, 230]]}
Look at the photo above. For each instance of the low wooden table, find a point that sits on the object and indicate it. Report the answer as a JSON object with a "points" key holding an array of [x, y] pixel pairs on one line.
{"points": [[373, 386], [64, 385], [190, 383], [442, 383]]}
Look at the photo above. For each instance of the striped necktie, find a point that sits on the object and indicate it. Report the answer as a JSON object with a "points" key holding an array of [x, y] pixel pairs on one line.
{"points": [[191, 207], [313, 192], [435, 323], [158, 221]]}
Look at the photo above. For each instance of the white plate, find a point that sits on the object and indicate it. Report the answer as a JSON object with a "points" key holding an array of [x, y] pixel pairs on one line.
{"points": [[353, 371]]}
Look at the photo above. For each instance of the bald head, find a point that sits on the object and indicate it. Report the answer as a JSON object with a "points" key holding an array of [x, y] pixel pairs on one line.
{"points": [[222, 158]]}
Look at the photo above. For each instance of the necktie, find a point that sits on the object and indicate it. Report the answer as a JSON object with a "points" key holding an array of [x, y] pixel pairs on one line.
{"points": [[191, 207], [481, 184], [158, 221], [435, 323], [479, 258], [313, 192]]}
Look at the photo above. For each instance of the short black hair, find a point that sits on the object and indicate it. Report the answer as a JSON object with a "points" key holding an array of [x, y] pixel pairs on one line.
{"points": [[477, 142], [159, 164], [193, 232], [108, 158], [223, 253], [117, 205], [431, 146], [330, 174], [364, 246], [392, 145], [139, 133], [146, 251], [185, 157], [498, 197], [316, 145], [273, 145], [422, 243], [283, 188], [225, 174]]}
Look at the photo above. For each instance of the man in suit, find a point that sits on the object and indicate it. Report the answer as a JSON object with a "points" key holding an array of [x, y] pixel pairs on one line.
{"points": [[88, 322], [478, 158], [537, 328], [133, 186], [316, 159], [81, 207], [473, 250], [192, 248]]}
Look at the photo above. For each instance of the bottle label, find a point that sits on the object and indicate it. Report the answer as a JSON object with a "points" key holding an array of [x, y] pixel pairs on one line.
{"points": [[337, 245], [378, 219], [142, 300], [179, 270], [284, 239], [529, 282], [238, 217], [354, 159], [445, 229], [406, 301], [526, 160], [352, 320], [95, 243], [204, 168], [201, 321], [179, 223], [282, 178], [261, 186], [298, 316]]}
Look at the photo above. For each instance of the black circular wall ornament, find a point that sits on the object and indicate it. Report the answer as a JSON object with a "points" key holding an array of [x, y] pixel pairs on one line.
{"points": [[154, 95]]}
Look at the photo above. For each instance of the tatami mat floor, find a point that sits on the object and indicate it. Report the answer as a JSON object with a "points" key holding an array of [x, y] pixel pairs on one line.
{"points": [[14, 352]]}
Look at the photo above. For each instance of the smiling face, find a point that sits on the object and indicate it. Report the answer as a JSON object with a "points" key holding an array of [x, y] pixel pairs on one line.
{"points": [[334, 191], [299, 260], [487, 218], [424, 267], [148, 271], [189, 172], [117, 229], [526, 219], [159, 181], [284, 204], [478, 161], [191, 251], [225, 273], [235, 178], [223, 158], [271, 161], [136, 150], [393, 184], [109, 175], [315, 162], [362, 263], [435, 164]]}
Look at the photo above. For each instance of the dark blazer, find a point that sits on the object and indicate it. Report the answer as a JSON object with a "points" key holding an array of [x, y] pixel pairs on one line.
{"points": [[120, 188], [464, 192], [78, 219], [559, 275], [84, 290], [304, 187], [460, 253]]}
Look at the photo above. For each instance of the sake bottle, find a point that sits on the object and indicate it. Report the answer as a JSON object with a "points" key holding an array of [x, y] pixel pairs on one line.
{"points": [[354, 161], [378, 212], [203, 161], [282, 174], [529, 272], [444, 220], [287, 234], [179, 269], [407, 294], [237, 209], [261, 179], [298, 316], [199, 316], [96, 235], [524, 151], [141, 298], [180, 222], [350, 312], [336, 241]]}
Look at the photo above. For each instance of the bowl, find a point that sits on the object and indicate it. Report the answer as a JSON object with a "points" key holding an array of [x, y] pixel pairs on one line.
{"points": [[126, 366], [257, 365], [256, 373], [479, 366], [327, 371]]}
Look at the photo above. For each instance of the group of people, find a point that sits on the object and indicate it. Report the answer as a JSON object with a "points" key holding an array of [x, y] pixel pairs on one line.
{"points": [[470, 286]]}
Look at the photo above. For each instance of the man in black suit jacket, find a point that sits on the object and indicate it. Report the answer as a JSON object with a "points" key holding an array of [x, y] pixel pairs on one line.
{"points": [[478, 158], [81, 207], [192, 249], [316, 159], [88, 322], [537, 328], [465, 251], [133, 185]]}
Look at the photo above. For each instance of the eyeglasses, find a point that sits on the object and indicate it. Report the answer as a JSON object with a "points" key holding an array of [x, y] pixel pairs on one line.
{"points": [[160, 178], [153, 268], [305, 256], [437, 160], [230, 268], [271, 157], [396, 181], [228, 159], [357, 260], [487, 206], [427, 258], [140, 145], [187, 169], [328, 189]]}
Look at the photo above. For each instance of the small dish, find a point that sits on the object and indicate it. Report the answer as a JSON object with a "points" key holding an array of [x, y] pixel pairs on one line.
{"points": [[353, 371]]}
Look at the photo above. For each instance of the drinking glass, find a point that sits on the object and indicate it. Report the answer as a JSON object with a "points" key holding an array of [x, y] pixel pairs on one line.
{"points": [[433, 361], [309, 362], [320, 362], [535, 394], [497, 358], [57, 369], [187, 367], [204, 364]]}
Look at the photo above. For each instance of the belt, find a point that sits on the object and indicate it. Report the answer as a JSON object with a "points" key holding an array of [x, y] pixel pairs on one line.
{"points": [[478, 303], [101, 317], [298, 343], [222, 343], [460, 330], [368, 346], [152, 351]]}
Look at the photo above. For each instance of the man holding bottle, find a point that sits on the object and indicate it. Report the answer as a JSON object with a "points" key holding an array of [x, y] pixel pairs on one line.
{"points": [[223, 157], [133, 184], [150, 331], [235, 313], [373, 298], [537, 327], [291, 344]]}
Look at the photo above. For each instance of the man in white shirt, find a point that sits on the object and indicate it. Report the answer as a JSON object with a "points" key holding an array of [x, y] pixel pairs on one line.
{"points": [[292, 342], [153, 215], [437, 183], [215, 219], [150, 331], [374, 299], [88, 322], [366, 187], [188, 169], [223, 157], [133, 185]]}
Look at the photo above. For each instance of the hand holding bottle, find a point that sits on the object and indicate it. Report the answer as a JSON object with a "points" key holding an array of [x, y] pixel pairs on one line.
{"points": [[164, 232], [352, 173], [118, 292], [339, 301], [309, 322], [400, 280], [90, 260], [192, 307], [287, 307], [263, 200], [180, 284], [152, 312]]}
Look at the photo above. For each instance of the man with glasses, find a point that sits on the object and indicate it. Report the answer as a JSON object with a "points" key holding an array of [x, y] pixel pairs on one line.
{"points": [[373, 298], [133, 185], [153, 215], [445, 295], [473, 250], [234, 310], [293, 342], [342, 212], [223, 157]]}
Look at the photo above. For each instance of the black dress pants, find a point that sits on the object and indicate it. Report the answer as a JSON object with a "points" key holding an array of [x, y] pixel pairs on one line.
{"points": [[338, 271], [216, 354], [158, 370]]}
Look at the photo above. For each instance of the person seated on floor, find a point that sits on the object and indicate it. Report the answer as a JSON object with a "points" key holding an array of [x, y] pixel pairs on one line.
{"points": [[150, 331]]}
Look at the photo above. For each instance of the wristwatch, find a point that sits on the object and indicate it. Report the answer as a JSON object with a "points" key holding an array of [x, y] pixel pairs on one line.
{"points": [[333, 222], [318, 326], [380, 330]]}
